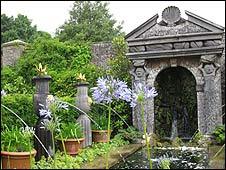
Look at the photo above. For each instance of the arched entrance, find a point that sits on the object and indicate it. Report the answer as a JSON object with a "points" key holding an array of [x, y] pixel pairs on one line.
{"points": [[175, 107]]}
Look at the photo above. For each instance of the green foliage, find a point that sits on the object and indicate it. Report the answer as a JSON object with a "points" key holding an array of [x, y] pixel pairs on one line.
{"points": [[196, 139], [99, 115], [165, 164], [22, 104], [11, 82], [177, 142], [61, 162], [15, 140], [130, 134], [69, 115], [89, 21], [86, 155], [70, 131], [120, 65], [63, 60], [219, 134], [19, 28], [56, 55]]}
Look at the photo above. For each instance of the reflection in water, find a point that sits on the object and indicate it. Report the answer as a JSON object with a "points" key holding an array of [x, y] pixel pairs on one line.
{"points": [[179, 159]]}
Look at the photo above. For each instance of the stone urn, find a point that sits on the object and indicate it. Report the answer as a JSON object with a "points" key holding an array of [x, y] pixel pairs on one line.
{"points": [[82, 96], [81, 101]]}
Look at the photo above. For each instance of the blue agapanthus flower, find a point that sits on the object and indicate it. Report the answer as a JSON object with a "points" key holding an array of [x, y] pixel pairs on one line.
{"points": [[141, 93], [108, 89]]}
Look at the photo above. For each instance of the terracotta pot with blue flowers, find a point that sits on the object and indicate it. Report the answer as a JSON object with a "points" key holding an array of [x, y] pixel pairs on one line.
{"points": [[71, 134], [17, 149]]}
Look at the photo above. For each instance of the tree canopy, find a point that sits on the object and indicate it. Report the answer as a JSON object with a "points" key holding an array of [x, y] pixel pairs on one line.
{"points": [[19, 28], [89, 21]]}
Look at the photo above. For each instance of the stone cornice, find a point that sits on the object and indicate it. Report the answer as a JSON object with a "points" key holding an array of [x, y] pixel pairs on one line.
{"points": [[176, 38], [176, 53], [142, 28]]}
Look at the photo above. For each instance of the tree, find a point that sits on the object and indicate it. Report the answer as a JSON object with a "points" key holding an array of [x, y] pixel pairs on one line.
{"points": [[89, 21], [19, 28]]}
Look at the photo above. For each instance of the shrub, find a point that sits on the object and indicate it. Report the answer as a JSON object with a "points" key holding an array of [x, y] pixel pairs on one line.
{"points": [[22, 105], [69, 115], [130, 134], [219, 134], [12, 82]]}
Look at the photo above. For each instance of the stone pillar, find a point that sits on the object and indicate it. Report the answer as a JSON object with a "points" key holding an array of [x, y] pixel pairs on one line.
{"points": [[212, 92], [140, 73], [200, 104], [40, 96], [150, 111], [82, 103], [11, 51]]}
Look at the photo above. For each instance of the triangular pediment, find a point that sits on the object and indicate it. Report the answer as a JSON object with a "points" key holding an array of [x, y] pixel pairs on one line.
{"points": [[173, 24]]}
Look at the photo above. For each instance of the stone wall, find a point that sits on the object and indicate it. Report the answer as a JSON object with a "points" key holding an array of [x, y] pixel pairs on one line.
{"points": [[11, 51], [101, 53]]}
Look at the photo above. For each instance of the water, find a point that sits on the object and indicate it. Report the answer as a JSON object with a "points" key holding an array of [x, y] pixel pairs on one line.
{"points": [[179, 159], [174, 131]]}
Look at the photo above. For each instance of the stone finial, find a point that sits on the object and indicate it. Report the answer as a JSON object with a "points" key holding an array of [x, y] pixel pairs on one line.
{"points": [[171, 15]]}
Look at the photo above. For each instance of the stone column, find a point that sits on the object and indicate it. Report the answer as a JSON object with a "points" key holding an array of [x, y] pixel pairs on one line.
{"points": [[212, 92], [150, 111], [40, 96], [82, 103]]}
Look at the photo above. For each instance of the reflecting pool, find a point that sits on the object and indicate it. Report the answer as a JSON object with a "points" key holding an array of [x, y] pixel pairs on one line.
{"points": [[182, 158]]}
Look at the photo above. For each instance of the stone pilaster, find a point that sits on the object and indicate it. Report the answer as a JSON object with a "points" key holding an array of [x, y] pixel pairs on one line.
{"points": [[212, 92]]}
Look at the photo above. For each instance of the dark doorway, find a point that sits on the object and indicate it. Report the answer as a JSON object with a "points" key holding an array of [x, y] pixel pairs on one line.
{"points": [[176, 103]]}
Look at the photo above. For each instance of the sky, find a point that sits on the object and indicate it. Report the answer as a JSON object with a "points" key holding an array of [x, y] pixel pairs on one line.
{"points": [[49, 15]]}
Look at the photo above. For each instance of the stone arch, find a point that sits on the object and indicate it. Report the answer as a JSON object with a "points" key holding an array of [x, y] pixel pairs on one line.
{"points": [[187, 112]]}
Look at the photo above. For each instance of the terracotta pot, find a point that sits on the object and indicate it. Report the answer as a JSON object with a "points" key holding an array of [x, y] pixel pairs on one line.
{"points": [[100, 135], [72, 146], [17, 160]]}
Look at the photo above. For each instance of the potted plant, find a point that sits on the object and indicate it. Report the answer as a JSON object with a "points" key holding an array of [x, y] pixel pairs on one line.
{"points": [[99, 128], [17, 149], [71, 136]]}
